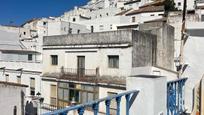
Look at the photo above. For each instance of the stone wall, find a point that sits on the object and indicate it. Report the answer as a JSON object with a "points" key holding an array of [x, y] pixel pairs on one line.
{"points": [[143, 50], [113, 37], [165, 43]]}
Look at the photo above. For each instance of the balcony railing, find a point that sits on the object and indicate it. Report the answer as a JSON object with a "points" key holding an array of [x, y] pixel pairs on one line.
{"points": [[79, 72], [175, 97], [129, 96]]}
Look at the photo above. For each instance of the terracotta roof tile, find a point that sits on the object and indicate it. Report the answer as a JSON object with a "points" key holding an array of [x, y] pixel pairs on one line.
{"points": [[147, 9]]}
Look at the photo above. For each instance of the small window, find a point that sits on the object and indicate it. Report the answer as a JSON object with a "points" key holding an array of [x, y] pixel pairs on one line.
{"points": [[179, 3], [92, 29], [74, 19], [7, 77], [53, 95], [202, 18], [133, 19], [101, 27], [78, 31], [44, 23], [24, 33], [100, 15], [111, 26], [152, 15], [19, 79], [113, 61], [70, 30], [54, 59], [32, 86], [30, 57], [107, 14], [113, 105]]}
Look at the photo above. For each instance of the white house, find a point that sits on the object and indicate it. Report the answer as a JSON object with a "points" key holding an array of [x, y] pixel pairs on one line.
{"points": [[95, 65], [18, 64], [12, 98]]}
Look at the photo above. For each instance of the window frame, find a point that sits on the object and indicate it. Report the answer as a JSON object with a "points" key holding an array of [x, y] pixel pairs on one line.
{"points": [[112, 63], [30, 58], [54, 60], [32, 88]]}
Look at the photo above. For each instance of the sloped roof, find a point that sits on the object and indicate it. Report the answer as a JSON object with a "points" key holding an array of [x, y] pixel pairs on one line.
{"points": [[155, 3], [123, 12], [147, 9]]}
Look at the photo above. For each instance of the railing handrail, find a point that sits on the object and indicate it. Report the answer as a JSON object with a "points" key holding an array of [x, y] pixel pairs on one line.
{"points": [[89, 104]]}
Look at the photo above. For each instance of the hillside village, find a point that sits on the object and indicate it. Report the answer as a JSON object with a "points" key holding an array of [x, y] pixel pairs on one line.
{"points": [[102, 49]]}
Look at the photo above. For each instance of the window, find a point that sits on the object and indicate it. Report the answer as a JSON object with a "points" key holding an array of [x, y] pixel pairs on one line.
{"points": [[133, 19], [113, 105], [19, 79], [78, 31], [202, 18], [107, 14], [179, 3], [152, 15], [113, 61], [54, 59], [101, 27], [67, 92], [30, 57], [74, 19], [32, 86], [7, 77], [53, 95], [81, 66], [70, 30], [100, 15], [44, 23], [92, 29], [111, 26], [24, 33]]}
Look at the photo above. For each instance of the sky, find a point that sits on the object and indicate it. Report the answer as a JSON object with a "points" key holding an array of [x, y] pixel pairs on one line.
{"points": [[19, 11]]}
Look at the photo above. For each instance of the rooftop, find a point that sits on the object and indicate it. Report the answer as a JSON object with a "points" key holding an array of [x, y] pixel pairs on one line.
{"points": [[147, 9], [110, 38]]}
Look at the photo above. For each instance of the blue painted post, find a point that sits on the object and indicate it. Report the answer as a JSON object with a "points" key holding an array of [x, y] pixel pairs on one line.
{"points": [[127, 103], [118, 100], [64, 113], [81, 111], [108, 107], [95, 108]]}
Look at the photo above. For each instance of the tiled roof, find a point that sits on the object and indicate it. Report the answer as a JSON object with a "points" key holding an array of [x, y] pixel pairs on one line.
{"points": [[200, 7], [155, 3], [132, 1], [123, 12], [147, 9]]}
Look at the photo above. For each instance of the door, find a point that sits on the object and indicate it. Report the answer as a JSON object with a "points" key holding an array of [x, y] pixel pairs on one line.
{"points": [[81, 66]]}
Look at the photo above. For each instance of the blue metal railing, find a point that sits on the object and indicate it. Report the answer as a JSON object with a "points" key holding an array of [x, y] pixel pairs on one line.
{"points": [[175, 96], [129, 96]]}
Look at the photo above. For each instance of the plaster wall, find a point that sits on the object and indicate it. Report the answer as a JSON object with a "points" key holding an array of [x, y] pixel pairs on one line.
{"points": [[151, 99], [10, 96]]}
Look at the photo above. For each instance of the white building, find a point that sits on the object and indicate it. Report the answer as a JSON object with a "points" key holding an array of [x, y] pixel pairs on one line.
{"points": [[12, 98], [95, 65], [18, 64]]}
